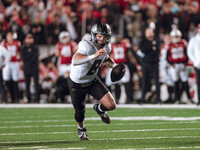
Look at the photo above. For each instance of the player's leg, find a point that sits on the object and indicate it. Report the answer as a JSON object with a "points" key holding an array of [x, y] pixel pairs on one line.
{"points": [[78, 95], [37, 86], [2, 89], [15, 77], [146, 82], [174, 73], [198, 83], [157, 83], [117, 92], [7, 78], [106, 100], [185, 86]]}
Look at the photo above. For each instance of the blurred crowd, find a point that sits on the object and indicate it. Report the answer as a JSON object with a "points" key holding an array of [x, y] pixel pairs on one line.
{"points": [[45, 20]]}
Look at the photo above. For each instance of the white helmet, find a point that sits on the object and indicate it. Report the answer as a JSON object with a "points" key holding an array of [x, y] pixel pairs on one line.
{"points": [[101, 28], [64, 37], [175, 34]]}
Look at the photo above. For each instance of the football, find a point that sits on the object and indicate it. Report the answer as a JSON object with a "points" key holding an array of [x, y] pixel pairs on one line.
{"points": [[117, 72]]}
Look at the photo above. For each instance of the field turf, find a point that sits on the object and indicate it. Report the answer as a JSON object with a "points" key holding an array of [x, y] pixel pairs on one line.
{"points": [[131, 128]]}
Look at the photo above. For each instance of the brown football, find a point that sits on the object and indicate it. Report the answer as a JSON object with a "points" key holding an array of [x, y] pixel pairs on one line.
{"points": [[117, 72]]}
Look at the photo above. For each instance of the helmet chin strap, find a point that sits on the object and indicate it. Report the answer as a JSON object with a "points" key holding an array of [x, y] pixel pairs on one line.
{"points": [[99, 45]]}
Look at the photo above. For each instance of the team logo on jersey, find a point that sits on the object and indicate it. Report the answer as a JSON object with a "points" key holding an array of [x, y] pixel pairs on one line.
{"points": [[73, 89]]}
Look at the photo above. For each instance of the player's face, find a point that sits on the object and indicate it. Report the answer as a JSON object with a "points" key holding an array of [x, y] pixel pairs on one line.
{"points": [[101, 39], [9, 37], [176, 39], [65, 39]]}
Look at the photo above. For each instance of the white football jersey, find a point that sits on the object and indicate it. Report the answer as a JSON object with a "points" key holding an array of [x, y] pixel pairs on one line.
{"points": [[4, 56], [87, 72]]}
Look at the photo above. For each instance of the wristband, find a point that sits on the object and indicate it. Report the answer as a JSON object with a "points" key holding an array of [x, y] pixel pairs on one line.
{"points": [[138, 67], [114, 65], [91, 57]]}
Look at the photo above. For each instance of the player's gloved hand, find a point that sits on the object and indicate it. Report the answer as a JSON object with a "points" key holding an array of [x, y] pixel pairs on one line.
{"points": [[100, 52]]}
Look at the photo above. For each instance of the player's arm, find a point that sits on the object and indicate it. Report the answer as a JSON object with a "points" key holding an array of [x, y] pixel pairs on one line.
{"points": [[6, 56], [79, 58], [131, 57], [57, 53], [109, 62]]}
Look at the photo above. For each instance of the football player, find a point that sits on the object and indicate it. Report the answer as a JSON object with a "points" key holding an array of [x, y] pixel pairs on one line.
{"points": [[177, 58], [120, 52], [165, 77], [83, 77], [65, 49], [11, 70]]}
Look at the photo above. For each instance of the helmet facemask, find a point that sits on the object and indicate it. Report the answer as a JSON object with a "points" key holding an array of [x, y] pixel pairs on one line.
{"points": [[175, 35], [64, 37], [102, 29]]}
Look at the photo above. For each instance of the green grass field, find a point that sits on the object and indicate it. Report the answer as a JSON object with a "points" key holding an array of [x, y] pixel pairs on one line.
{"points": [[131, 128]]}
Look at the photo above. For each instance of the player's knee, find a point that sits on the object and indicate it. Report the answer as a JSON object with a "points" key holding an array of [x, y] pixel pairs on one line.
{"points": [[112, 106], [79, 115]]}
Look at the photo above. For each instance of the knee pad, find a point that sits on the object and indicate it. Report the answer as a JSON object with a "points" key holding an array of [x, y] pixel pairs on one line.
{"points": [[79, 115]]}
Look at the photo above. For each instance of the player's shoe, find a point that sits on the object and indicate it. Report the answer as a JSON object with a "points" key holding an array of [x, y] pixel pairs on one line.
{"points": [[82, 133], [104, 115]]}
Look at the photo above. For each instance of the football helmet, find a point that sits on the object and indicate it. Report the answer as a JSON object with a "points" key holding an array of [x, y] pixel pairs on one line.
{"points": [[64, 37], [175, 35], [103, 29]]}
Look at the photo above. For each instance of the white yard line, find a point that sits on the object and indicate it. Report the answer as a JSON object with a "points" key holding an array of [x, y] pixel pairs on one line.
{"points": [[190, 106], [165, 118], [32, 121], [32, 117], [111, 131], [147, 138], [106, 139], [34, 147], [64, 148], [150, 118], [185, 147], [41, 148], [100, 124]]}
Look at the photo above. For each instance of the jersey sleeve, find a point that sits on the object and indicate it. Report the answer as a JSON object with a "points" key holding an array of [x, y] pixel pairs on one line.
{"points": [[83, 48]]}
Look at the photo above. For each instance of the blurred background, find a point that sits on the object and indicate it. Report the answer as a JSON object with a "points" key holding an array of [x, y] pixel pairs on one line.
{"points": [[45, 20]]}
